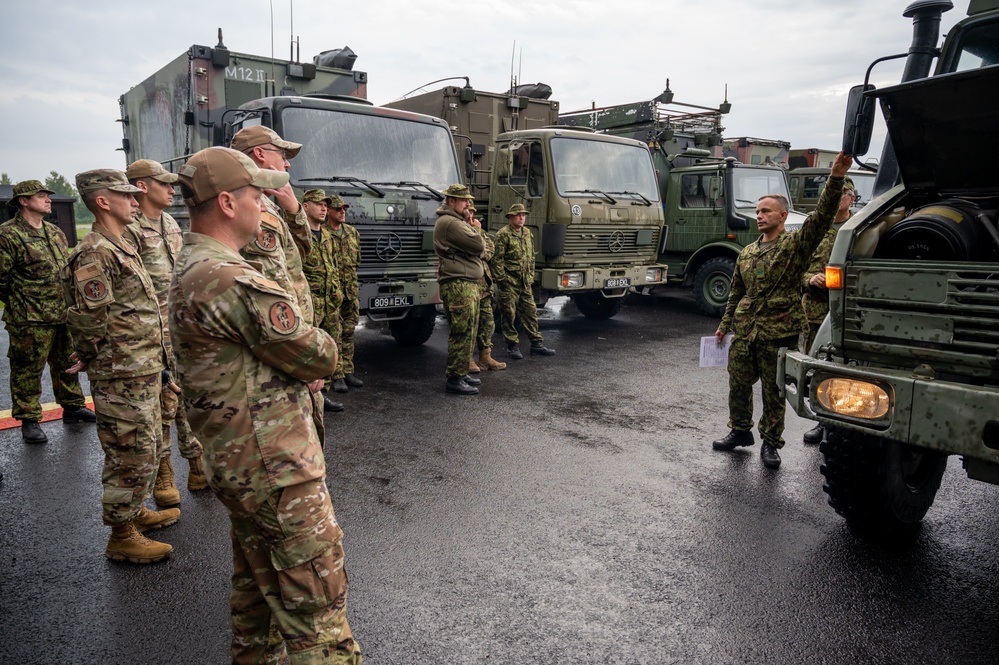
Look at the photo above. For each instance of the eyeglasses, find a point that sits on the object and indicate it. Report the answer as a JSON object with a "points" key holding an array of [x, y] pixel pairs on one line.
{"points": [[284, 153], [340, 209]]}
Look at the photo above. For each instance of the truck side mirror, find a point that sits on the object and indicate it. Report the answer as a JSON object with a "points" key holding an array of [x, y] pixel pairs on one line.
{"points": [[469, 164], [859, 123], [504, 162], [714, 188]]}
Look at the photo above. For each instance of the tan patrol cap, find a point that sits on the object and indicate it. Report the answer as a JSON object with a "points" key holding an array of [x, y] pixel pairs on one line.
{"points": [[147, 168], [98, 179], [251, 137], [215, 170]]}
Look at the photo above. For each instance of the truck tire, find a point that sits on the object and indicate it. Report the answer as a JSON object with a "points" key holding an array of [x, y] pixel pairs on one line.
{"points": [[712, 282], [414, 329], [593, 305], [876, 484]]}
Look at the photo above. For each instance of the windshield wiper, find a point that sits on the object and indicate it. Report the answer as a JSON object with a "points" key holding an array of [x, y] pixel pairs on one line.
{"points": [[751, 203], [610, 199], [413, 183], [647, 202], [346, 178]]}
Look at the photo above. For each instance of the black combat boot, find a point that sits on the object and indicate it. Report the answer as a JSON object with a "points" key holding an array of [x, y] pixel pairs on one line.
{"points": [[814, 435], [770, 456], [514, 350], [329, 406], [339, 385], [539, 349], [353, 381], [32, 432], [472, 381], [78, 414], [733, 439], [458, 386]]}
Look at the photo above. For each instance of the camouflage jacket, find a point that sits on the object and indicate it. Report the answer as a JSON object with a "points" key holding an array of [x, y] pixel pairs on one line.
{"points": [[513, 260], [30, 261], [245, 356], [347, 252], [765, 299], [159, 242], [113, 313], [458, 247], [815, 299], [487, 254], [323, 275], [277, 251]]}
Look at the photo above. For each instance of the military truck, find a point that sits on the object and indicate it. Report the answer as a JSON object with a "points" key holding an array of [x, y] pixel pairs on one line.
{"points": [[388, 165], [709, 203], [592, 200], [905, 371], [806, 185]]}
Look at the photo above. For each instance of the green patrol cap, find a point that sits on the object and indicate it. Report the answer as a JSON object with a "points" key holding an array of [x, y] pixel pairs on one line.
{"points": [[26, 188], [98, 179], [147, 168], [316, 196], [337, 202], [516, 209], [458, 192]]}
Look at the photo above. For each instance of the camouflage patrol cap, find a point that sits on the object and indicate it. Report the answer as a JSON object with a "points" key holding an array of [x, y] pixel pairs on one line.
{"points": [[147, 168], [251, 137], [98, 179], [458, 192], [215, 170], [848, 184], [26, 188], [516, 209], [337, 202], [316, 196]]}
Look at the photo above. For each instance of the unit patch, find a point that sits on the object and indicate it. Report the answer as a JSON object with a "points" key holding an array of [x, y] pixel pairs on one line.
{"points": [[283, 318]]}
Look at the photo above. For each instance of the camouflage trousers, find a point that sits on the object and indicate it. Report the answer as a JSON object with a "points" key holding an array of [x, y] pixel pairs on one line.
{"points": [[172, 410], [129, 429], [332, 324], [487, 320], [461, 304], [288, 574], [517, 300], [749, 362], [29, 349], [808, 337], [350, 314]]}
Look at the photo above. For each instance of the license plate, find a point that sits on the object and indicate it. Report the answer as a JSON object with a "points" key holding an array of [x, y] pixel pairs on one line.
{"points": [[617, 282], [389, 301]]}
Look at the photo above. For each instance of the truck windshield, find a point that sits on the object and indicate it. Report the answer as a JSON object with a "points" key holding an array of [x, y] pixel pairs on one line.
{"points": [[979, 47], [749, 184], [369, 147], [584, 164]]}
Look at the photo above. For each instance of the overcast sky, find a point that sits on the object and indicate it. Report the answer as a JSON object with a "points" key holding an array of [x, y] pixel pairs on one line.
{"points": [[788, 64]]}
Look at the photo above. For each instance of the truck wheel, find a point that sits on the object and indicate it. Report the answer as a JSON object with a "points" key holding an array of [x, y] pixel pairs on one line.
{"points": [[415, 329], [877, 484], [712, 284], [593, 305]]}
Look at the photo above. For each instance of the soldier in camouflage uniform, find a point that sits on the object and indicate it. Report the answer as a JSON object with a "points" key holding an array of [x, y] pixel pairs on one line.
{"points": [[487, 320], [458, 245], [347, 247], [32, 251], [513, 269], [764, 312], [246, 356], [322, 271], [815, 299], [117, 330], [159, 239]]}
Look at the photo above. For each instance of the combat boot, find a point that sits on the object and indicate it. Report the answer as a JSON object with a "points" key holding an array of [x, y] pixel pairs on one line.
{"points": [[155, 519], [514, 350], [78, 414], [472, 367], [539, 349], [734, 438], [458, 386], [486, 360], [472, 381], [165, 492], [339, 385], [814, 435], [32, 432], [127, 544], [352, 381], [770, 456], [329, 406], [196, 479]]}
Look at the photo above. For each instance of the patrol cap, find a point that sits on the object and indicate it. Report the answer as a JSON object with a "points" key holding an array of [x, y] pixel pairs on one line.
{"points": [[26, 188], [147, 168], [516, 209], [251, 137], [848, 184], [98, 179], [215, 170], [316, 196], [337, 202], [458, 192]]}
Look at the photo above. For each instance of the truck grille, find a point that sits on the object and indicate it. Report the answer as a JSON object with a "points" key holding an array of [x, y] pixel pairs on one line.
{"points": [[943, 315], [609, 244], [393, 249]]}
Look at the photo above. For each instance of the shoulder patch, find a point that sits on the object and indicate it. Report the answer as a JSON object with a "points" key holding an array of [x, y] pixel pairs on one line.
{"points": [[86, 272], [261, 283], [95, 290], [266, 239], [283, 318]]}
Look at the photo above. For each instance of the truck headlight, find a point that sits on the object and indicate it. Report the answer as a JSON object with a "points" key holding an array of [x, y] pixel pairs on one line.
{"points": [[654, 275], [850, 397], [572, 280]]}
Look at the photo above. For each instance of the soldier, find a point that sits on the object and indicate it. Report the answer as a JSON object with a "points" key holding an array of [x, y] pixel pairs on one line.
{"points": [[159, 240], [245, 355], [118, 333], [815, 299], [322, 272], [487, 321], [458, 246], [347, 247], [764, 312], [32, 251], [513, 270]]}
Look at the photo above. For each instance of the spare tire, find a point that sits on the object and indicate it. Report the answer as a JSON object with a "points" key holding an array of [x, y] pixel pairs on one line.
{"points": [[945, 231]]}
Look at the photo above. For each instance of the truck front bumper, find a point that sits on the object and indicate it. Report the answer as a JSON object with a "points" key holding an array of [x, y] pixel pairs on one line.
{"points": [[388, 300], [614, 281]]}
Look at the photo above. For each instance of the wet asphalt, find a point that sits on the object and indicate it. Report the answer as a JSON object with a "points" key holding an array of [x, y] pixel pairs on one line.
{"points": [[573, 512]]}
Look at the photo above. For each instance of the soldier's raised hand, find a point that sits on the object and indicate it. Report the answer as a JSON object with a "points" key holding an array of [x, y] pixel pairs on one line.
{"points": [[841, 165]]}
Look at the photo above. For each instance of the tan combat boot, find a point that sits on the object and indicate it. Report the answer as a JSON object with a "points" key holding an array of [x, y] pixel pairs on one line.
{"points": [[486, 360], [196, 479], [472, 367], [155, 519], [127, 544], [165, 492]]}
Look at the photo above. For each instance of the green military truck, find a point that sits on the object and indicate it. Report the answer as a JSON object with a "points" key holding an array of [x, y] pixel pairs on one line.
{"points": [[389, 166], [709, 203], [593, 204], [806, 183], [906, 368]]}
